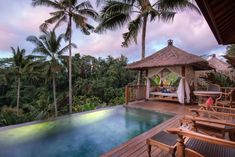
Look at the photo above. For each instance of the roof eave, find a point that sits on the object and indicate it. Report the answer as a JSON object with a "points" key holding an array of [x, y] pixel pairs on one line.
{"points": [[203, 5]]}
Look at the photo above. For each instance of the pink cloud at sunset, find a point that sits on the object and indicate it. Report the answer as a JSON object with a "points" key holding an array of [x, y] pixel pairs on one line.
{"points": [[189, 31]]}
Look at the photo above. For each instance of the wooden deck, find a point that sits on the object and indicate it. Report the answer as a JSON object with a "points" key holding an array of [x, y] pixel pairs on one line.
{"points": [[137, 147]]}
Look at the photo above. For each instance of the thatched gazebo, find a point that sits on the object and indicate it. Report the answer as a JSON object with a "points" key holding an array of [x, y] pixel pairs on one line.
{"points": [[218, 64], [174, 60]]}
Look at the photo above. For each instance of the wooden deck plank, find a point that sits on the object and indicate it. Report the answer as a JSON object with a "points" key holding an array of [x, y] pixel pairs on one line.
{"points": [[137, 147]]}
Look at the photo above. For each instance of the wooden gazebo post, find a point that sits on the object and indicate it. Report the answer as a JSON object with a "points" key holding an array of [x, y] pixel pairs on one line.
{"points": [[183, 76]]}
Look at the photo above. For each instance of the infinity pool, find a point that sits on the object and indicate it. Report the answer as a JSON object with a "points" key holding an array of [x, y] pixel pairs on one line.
{"points": [[80, 135]]}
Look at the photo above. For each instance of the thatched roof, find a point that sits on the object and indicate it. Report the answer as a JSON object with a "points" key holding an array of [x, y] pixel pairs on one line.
{"points": [[218, 64], [170, 56]]}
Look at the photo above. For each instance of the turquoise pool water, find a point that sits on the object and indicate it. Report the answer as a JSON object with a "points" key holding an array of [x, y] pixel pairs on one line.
{"points": [[81, 135]]}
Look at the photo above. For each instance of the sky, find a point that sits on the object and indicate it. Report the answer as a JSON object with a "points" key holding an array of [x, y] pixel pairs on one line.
{"points": [[189, 31]]}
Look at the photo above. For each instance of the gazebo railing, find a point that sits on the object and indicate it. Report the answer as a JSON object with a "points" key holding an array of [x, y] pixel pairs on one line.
{"points": [[134, 93]]}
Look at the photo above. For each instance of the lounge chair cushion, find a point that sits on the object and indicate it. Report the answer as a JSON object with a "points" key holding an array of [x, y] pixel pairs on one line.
{"points": [[210, 150]]}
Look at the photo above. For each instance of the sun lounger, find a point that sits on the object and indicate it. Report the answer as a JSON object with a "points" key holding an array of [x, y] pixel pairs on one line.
{"points": [[212, 127], [221, 113], [193, 144]]}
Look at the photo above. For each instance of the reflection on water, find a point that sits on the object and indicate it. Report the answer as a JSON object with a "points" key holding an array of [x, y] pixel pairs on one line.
{"points": [[86, 135]]}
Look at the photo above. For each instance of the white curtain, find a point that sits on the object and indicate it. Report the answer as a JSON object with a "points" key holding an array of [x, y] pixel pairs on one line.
{"points": [[187, 91], [181, 90], [147, 88]]}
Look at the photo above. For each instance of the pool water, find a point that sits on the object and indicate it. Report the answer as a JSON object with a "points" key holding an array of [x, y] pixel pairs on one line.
{"points": [[80, 135]]}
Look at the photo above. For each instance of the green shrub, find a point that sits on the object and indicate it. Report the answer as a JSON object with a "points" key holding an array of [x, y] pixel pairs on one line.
{"points": [[83, 103], [8, 116], [220, 79]]}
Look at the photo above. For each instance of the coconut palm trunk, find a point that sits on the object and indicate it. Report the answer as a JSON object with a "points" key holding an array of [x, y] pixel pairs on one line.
{"points": [[54, 94], [143, 47], [70, 65], [18, 96], [144, 36]]}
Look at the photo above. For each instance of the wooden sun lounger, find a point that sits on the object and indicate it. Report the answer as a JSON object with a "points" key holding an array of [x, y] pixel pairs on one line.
{"points": [[218, 113], [198, 145], [213, 127]]}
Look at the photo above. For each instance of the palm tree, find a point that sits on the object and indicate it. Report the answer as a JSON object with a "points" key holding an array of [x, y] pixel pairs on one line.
{"points": [[48, 45], [117, 13], [21, 65], [68, 11]]}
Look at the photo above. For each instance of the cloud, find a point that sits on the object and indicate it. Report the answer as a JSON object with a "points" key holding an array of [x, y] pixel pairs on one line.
{"points": [[189, 31], [18, 20]]}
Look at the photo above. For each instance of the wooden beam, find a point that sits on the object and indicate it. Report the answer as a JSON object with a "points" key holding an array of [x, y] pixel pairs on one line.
{"points": [[210, 13]]}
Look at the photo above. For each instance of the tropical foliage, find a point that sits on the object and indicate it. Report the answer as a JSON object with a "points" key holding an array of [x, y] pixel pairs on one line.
{"points": [[230, 55], [97, 83], [220, 79]]}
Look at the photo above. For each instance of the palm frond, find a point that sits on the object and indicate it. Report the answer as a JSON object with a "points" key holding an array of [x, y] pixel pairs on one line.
{"points": [[68, 32], [153, 14], [175, 5], [79, 20], [89, 13], [133, 29], [39, 45], [83, 5], [60, 37], [54, 18], [167, 16], [113, 22], [43, 27], [114, 14], [60, 21], [85, 31], [63, 50], [48, 3], [112, 7]]}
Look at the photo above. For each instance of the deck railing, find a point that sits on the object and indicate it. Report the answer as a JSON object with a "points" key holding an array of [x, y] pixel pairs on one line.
{"points": [[134, 93], [138, 92], [226, 89]]}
